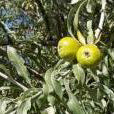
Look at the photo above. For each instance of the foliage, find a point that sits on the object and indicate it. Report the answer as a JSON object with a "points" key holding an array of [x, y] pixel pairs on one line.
{"points": [[33, 79]]}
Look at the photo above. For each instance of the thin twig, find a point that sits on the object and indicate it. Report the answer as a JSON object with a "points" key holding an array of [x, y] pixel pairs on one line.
{"points": [[6, 29], [4, 26], [44, 15], [13, 81], [101, 22], [38, 75], [10, 34], [34, 71]]}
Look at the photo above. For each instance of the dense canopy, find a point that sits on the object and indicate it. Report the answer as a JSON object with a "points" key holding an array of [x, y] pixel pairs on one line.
{"points": [[33, 78]]}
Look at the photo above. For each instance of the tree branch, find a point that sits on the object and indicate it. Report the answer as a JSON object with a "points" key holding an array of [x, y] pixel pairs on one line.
{"points": [[9, 33], [13, 81], [101, 22], [44, 15], [34, 72]]}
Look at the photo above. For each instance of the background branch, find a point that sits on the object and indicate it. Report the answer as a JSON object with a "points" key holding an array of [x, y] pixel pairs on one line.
{"points": [[44, 15], [10, 34], [13, 81], [101, 22]]}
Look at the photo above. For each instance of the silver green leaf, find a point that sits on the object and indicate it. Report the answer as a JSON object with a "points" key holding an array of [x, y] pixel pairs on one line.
{"points": [[73, 103], [3, 105], [74, 1], [109, 92], [89, 6], [76, 18], [90, 38], [56, 85], [69, 21], [18, 62], [79, 73], [48, 86], [3, 67], [24, 107]]}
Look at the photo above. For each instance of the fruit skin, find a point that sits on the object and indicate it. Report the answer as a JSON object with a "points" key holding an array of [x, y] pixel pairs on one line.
{"points": [[89, 55], [68, 47]]}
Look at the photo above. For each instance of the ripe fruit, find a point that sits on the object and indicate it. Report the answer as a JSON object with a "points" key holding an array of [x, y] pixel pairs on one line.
{"points": [[89, 55], [68, 47]]}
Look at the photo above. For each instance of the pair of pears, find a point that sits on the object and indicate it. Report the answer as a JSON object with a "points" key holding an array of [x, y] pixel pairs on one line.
{"points": [[87, 55]]}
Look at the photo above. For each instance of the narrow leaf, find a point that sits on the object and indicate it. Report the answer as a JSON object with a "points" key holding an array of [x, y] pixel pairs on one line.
{"points": [[56, 85], [18, 62], [24, 107], [73, 103], [69, 21], [48, 80], [81, 38], [3, 67], [4, 102], [109, 92], [76, 18], [79, 73], [89, 6], [74, 1], [90, 38]]}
